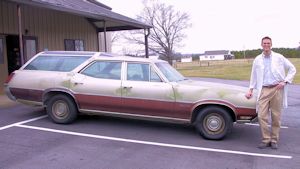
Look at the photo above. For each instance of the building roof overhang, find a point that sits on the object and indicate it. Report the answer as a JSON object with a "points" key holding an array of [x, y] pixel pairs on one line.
{"points": [[97, 13]]}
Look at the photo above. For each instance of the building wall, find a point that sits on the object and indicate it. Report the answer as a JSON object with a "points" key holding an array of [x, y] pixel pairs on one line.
{"points": [[102, 42], [189, 59], [50, 28], [211, 57], [3, 65]]}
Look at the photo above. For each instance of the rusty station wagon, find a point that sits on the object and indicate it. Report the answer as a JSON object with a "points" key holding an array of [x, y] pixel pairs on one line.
{"points": [[68, 83]]}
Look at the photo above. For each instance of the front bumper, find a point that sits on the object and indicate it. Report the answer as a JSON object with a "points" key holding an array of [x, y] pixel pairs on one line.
{"points": [[254, 120]]}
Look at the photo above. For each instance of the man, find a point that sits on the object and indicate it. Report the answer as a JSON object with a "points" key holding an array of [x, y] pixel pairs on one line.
{"points": [[269, 77]]}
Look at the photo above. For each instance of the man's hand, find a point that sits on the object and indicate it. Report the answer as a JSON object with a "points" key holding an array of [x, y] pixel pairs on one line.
{"points": [[249, 94], [280, 85]]}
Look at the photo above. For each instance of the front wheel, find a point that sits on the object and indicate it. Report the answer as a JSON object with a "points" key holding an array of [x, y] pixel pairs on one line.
{"points": [[61, 109], [213, 123]]}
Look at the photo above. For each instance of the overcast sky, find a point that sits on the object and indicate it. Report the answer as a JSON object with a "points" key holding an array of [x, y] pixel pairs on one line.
{"points": [[229, 24]]}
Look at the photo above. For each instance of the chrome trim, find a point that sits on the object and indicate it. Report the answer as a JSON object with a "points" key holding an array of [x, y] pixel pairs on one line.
{"points": [[136, 116], [243, 121], [151, 99], [65, 90], [216, 100], [211, 100], [92, 94], [29, 102], [254, 120], [58, 89], [207, 101]]}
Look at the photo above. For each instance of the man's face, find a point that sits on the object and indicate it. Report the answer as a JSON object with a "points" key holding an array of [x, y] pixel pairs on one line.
{"points": [[266, 45]]}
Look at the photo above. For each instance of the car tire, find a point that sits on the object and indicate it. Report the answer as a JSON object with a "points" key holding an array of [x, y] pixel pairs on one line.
{"points": [[213, 123], [61, 109]]}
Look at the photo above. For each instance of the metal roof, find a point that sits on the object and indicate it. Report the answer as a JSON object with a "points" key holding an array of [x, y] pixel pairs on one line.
{"points": [[217, 52], [97, 13]]}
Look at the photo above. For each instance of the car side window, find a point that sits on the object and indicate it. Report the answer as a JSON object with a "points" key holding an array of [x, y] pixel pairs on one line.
{"points": [[141, 72], [104, 70], [56, 63]]}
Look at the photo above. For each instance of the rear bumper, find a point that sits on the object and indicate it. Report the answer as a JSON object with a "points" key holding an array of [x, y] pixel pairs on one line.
{"points": [[8, 93]]}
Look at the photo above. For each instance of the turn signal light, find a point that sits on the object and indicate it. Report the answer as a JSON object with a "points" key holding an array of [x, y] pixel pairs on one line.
{"points": [[9, 77]]}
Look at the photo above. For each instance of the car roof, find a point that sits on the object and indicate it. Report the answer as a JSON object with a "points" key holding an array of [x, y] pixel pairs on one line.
{"points": [[69, 53], [102, 56]]}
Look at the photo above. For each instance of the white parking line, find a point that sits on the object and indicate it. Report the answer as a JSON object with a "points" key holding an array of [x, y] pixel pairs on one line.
{"points": [[22, 122], [154, 143], [255, 124]]}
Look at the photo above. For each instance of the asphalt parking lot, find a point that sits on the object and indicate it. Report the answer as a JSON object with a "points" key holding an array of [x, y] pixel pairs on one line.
{"points": [[29, 140]]}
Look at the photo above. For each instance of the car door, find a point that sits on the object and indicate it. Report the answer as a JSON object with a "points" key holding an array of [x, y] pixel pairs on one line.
{"points": [[98, 86], [144, 93]]}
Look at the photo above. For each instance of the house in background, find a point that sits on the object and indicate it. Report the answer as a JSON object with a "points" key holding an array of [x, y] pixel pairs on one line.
{"points": [[31, 26], [186, 59], [216, 55]]}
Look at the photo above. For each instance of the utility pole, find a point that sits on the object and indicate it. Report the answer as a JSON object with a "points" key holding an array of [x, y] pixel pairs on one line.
{"points": [[244, 52]]}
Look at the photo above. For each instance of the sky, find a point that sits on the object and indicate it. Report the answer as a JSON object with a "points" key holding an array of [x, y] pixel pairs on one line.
{"points": [[229, 24]]}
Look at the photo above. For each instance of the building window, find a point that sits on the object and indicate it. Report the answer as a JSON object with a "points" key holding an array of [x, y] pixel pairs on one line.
{"points": [[1, 51], [74, 45]]}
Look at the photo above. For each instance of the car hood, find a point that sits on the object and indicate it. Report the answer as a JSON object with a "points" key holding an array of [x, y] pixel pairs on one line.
{"points": [[200, 91], [214, 85]]}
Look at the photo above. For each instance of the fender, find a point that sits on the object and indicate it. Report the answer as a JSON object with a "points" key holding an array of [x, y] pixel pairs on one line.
{"points": [[60, 90], [213, 102]]}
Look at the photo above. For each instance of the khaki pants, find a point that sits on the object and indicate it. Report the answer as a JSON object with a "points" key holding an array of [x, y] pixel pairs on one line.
{"points": [[270, 102]]}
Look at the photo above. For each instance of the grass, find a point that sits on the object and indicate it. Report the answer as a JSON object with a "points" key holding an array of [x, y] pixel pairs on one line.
{"points": [[237, 69]]}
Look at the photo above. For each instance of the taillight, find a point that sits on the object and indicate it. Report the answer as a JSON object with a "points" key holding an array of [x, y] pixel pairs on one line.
{"points": [[9, 77]]}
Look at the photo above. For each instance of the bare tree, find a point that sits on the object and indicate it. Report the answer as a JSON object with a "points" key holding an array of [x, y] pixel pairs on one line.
{"points": [[168, 28], [121, 44], [114, 37]]}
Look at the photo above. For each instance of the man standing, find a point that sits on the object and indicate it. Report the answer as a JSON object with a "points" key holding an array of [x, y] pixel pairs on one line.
{"points": [[269, 77]]}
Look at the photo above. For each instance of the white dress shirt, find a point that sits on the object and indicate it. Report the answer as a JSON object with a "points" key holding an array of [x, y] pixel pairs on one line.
{"points": [[269, 78]]}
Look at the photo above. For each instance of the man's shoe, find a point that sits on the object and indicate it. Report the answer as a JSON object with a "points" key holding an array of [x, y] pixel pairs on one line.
{"points": [[274, 145], [263, 145]]}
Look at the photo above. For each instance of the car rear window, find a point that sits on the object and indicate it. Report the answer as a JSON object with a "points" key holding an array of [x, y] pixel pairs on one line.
{"points": [[56, 63]]}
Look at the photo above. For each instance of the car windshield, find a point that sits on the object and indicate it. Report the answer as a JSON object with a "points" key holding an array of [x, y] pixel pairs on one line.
{"points": [[170, 73]]}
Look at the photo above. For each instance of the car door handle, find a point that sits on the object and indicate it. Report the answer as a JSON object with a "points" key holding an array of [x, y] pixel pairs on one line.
{"points": [[127, 87], [77, 83]]}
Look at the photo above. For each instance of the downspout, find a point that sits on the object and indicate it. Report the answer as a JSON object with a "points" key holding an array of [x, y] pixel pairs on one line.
{"points": [[20, 34], [98, 40], [105, 40], [146, 33]]}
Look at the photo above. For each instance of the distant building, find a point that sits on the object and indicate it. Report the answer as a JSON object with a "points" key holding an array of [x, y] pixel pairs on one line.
{"points": [[216, 55], [187, 59]]}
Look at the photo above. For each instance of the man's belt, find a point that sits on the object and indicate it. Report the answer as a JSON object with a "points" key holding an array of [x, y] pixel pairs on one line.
{"points": [[271, 86]]}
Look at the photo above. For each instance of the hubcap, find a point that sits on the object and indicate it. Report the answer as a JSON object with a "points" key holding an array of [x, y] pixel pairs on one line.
{"points": [[214, 123], [60, 109]]}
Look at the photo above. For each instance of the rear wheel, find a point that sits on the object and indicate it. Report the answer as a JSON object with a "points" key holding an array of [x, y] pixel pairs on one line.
{"points": [[61, 109], [213, 123]]}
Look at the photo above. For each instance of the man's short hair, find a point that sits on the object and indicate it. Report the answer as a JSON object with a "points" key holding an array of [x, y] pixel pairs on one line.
{"points": [[266, 37]]}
